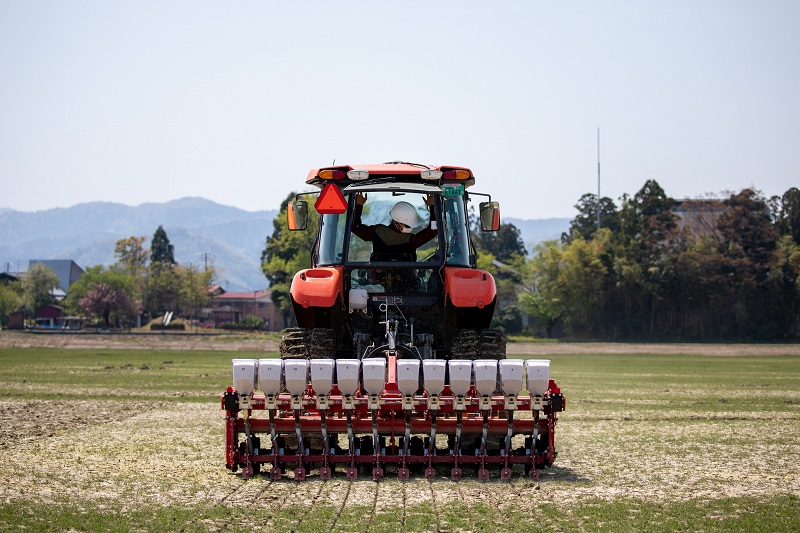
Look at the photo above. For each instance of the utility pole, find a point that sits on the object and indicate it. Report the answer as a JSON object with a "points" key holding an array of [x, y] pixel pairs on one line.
{"points": [[598, 178], [206, 255]]}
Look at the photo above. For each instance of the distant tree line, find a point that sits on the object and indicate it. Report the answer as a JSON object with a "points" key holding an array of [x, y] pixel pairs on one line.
{"points": [[733, 275], [142, 281]]}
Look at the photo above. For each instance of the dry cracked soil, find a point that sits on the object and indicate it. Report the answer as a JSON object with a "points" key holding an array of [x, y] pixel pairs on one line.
{"points": [[141, 453]]}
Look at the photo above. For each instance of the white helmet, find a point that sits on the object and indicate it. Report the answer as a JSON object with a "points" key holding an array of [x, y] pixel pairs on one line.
{"points": [[405, 213]]}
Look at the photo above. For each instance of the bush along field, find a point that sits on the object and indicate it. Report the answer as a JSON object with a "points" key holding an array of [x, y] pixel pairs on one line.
{"points": [[122, 439]]}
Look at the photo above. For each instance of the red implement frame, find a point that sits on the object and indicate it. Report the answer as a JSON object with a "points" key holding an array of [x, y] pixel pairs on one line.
{"points": [[465, 418]]}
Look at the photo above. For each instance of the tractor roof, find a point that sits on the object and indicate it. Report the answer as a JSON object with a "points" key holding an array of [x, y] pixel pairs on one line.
{"points": [[398, 171]]}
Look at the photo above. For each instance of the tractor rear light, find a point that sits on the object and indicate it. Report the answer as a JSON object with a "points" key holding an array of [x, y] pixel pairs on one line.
{"points": [[358, 175], [431, 175], [458, 174], [332, 174]]}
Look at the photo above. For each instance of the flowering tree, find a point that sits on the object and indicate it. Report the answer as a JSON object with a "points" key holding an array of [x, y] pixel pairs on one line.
{"points": [[106, 302]]}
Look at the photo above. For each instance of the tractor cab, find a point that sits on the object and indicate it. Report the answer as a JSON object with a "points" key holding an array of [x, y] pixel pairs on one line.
{"points": [[393, 245], [391, 233]]}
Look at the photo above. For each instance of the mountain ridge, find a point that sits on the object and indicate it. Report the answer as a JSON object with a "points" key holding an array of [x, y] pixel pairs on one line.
{"points": [[197, 227]]}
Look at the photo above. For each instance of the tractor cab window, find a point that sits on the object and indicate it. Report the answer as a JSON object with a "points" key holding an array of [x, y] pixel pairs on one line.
{"points": [[391, 227], [331, 239], [456, 239]]}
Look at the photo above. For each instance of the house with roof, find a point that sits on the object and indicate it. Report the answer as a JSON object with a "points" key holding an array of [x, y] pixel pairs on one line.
{"points": [[68, 272], [698, 215], [8, 277], [232, 307]]}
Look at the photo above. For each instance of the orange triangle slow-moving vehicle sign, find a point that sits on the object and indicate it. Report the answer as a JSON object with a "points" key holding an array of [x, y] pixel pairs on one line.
{"points": [[331, 201]]}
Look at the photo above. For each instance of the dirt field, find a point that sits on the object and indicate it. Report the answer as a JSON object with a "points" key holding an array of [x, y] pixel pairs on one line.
{"points": [[10, 339], [124, 455]]}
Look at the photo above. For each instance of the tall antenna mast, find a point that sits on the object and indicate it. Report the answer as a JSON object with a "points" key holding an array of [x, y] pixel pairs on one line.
{"points": [[598, 178]]}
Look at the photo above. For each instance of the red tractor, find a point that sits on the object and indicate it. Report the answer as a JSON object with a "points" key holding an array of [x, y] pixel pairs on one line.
{"points": [[393, 363]]}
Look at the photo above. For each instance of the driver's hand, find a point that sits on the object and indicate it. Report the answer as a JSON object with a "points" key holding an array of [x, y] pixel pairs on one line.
{"points": [[361, 199], [429, 200]]}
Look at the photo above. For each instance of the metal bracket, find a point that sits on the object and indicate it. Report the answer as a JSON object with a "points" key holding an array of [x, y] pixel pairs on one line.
{"points": [[244, 401], [297, 402], [270, 402], [485, 403], [374, 401], [460, 403], [433, 401], [408, 403], [348, 402], [322, 402], [511, 402]]}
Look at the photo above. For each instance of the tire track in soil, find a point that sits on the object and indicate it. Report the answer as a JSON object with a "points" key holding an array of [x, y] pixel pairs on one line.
{"points": [[487, 496], [374, 505], [405, 506], [341, 507], [434, 507], [467, 506], [299, 518], [230, 493]]}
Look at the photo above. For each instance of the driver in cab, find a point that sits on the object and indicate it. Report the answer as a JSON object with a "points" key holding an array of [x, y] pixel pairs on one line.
{"points": [[394, 242]]}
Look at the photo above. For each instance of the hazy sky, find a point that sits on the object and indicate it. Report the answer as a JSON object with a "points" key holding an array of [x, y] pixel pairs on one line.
{"points": [[141, 101]]}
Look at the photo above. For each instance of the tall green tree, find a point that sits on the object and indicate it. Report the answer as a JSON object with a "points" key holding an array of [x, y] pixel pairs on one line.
{"points": [[286, 253], [504, 244], [131, 259], [10, 300], [541, 297], [789, 214], [37, 286], [131, 255], [163, 290], [649, 243], [161, 251], [584, 225], [747, 240], [195, 284], [784, 285]]}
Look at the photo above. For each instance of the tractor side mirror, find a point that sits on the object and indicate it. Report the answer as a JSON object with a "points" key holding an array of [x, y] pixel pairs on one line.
{"points": [[297, 215], [490, 216]]}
